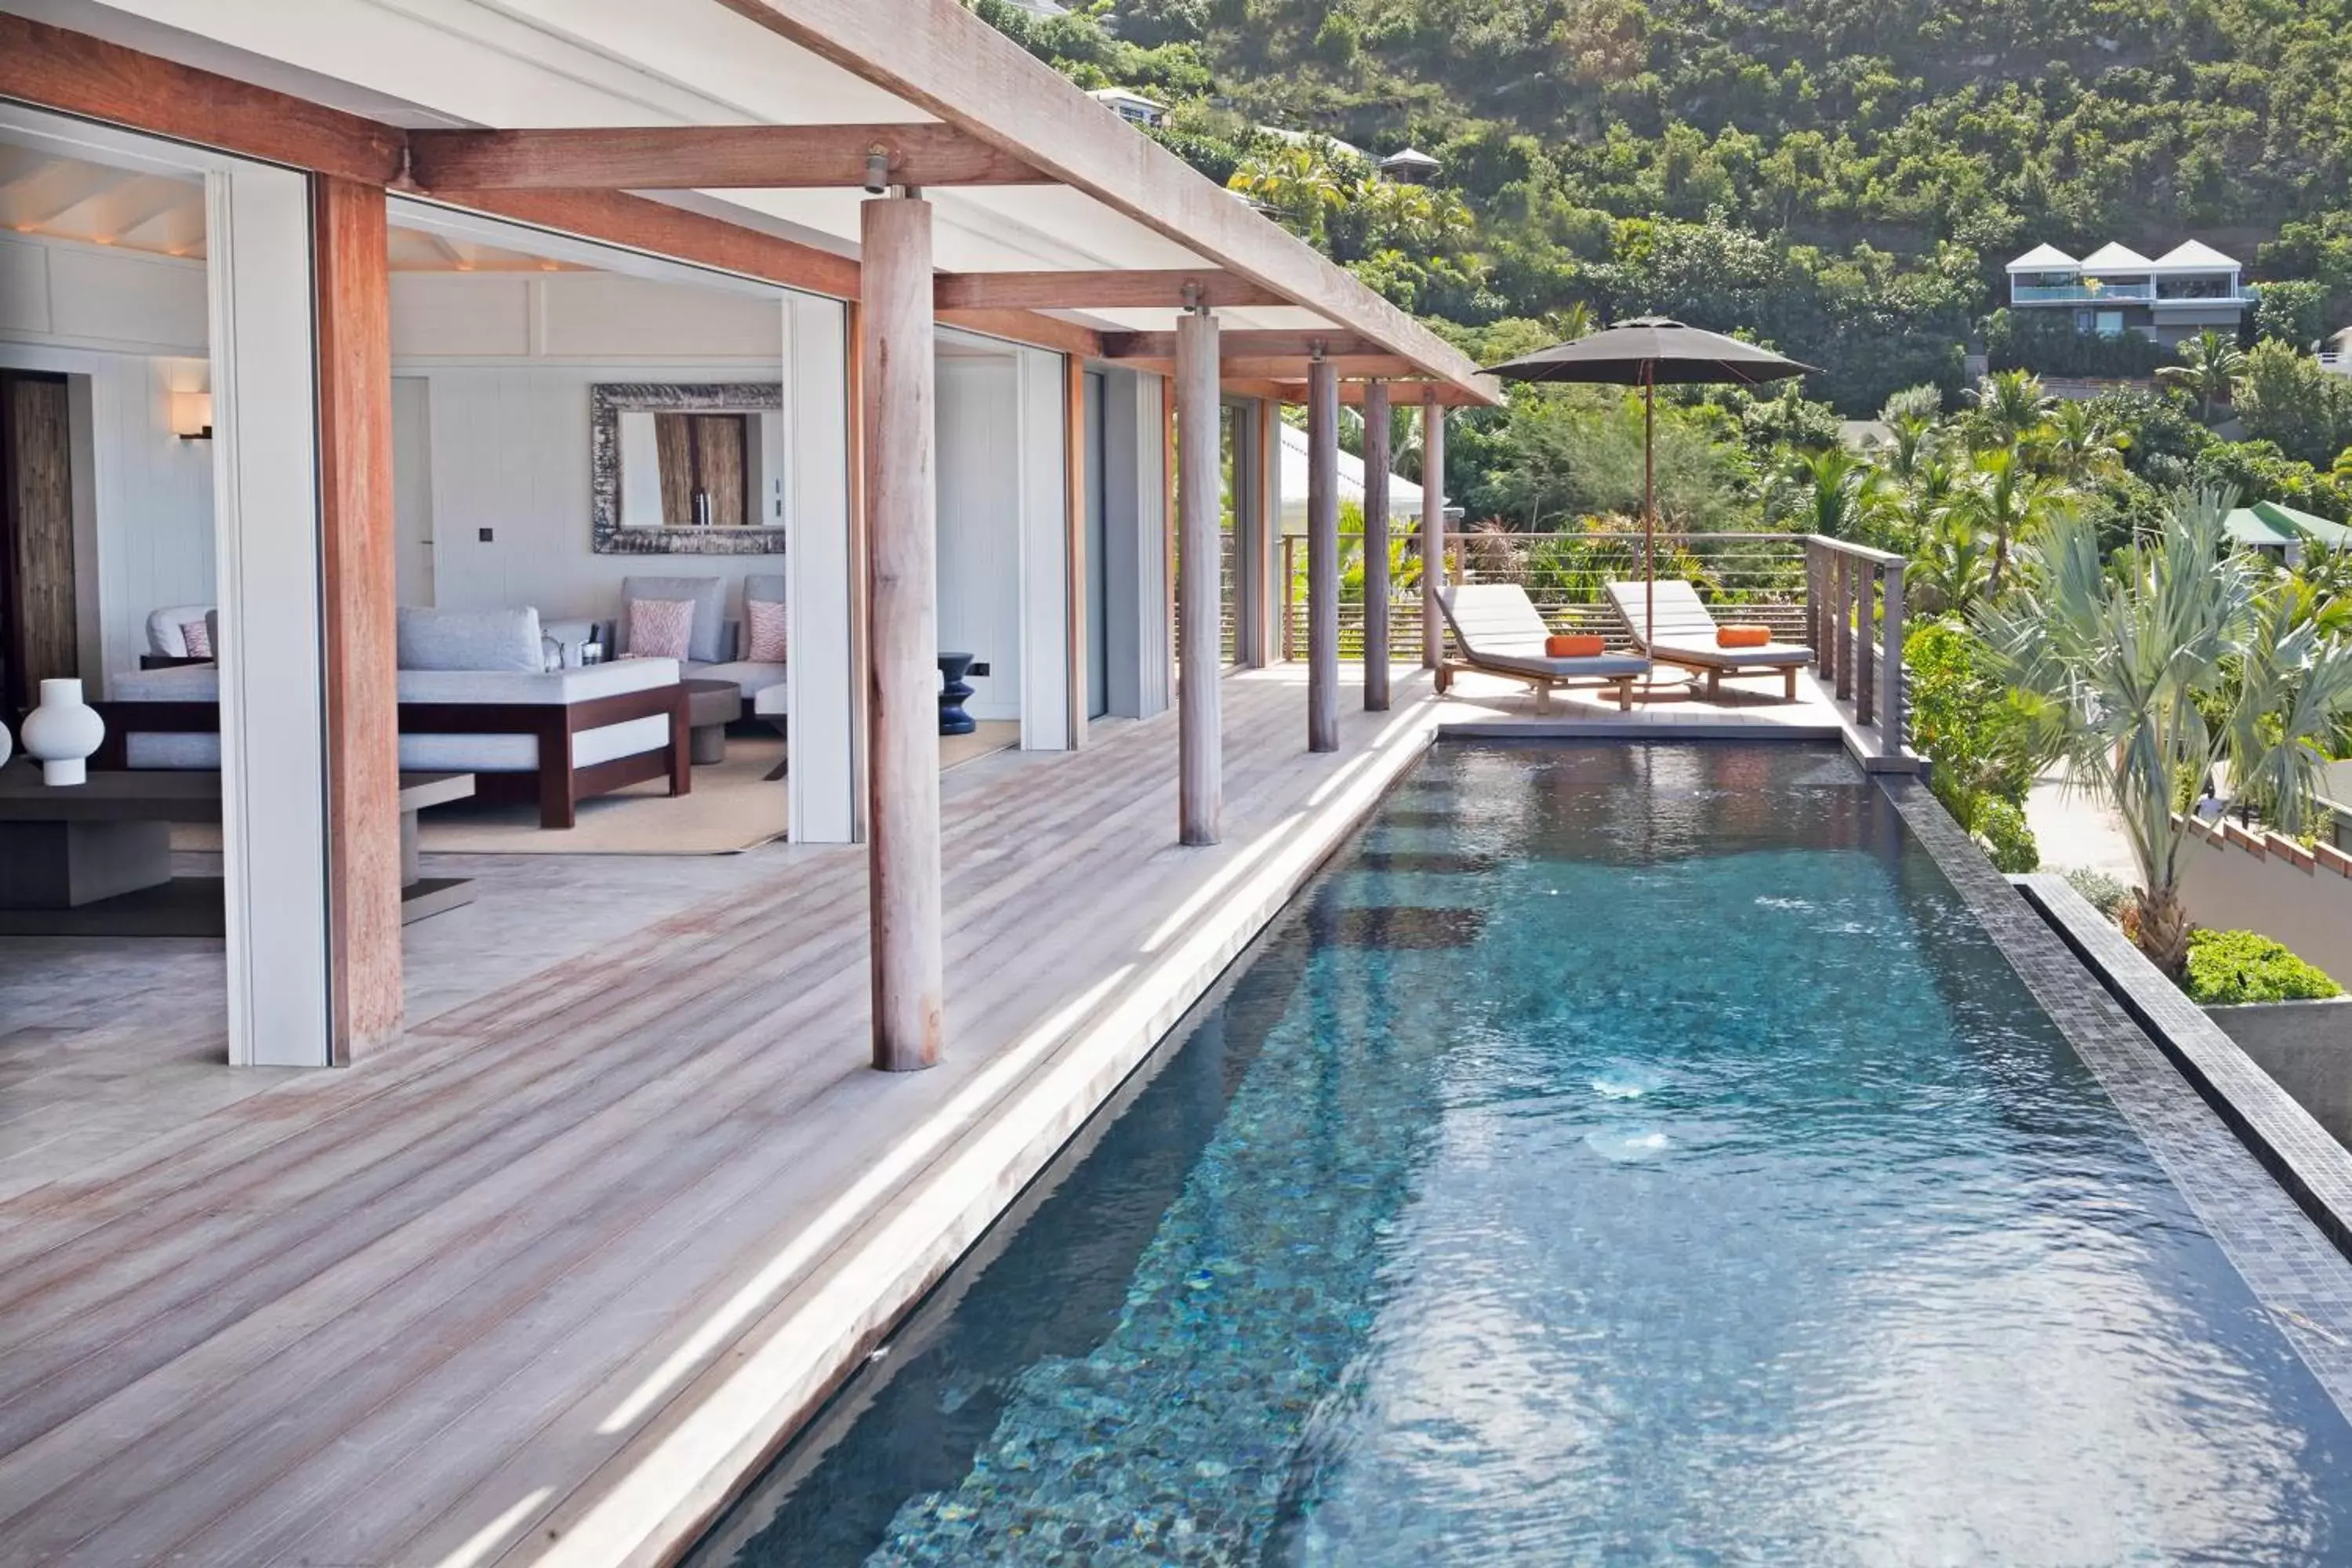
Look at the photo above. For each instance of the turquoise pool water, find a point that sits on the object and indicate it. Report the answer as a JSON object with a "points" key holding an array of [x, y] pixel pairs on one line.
{"points": [[1625, 1155]]}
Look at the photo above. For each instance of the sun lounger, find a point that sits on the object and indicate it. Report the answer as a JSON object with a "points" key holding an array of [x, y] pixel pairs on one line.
{"points": [[1498, 631], [1685, 636]]}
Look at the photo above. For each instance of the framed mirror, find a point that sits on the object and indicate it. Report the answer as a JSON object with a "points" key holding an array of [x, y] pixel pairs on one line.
{"points": [[686, 467]]}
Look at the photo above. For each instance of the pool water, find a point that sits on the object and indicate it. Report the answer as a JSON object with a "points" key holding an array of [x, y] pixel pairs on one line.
{"points": [[1625, 1155]]}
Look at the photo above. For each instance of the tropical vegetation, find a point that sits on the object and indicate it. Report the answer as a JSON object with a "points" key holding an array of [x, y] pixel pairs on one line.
{"points": [[2231, 967]]}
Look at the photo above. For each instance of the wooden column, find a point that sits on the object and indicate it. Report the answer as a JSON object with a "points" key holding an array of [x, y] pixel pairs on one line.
{"points": [[1432, 529], [357, 553], [897, 392], [1376, 547], [1075, 480], [1200, 479], [1322, 557]]}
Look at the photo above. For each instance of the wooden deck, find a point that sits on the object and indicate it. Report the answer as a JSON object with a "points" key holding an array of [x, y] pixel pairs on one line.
{"points": [[545, 1283]]}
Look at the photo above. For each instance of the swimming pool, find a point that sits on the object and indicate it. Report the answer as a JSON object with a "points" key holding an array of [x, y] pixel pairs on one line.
{"points": [[1624, 1154]]}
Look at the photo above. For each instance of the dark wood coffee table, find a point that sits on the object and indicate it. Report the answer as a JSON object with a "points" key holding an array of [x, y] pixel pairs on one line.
{"points": [[95, 858], [710, 707]]}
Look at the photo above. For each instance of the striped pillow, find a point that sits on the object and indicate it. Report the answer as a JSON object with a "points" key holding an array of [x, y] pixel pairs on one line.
{"points": [[766, 631], [198, 637], [660, 629]]}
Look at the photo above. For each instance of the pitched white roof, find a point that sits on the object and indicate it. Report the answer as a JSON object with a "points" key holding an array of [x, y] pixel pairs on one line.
{"points": [[1404, 496], [2042, 259], [2195, 255], [2114, 258], [1413, 156]]}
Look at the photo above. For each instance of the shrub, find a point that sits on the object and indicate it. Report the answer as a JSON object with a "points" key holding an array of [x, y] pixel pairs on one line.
{"points": [[2002, 827], [2104, 893], [2231, 966]]}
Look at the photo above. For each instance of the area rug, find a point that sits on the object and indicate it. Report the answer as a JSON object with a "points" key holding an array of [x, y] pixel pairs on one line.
{"points": [[733, 806]]}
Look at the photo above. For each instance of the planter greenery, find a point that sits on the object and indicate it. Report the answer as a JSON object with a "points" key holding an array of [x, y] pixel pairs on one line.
{"points": [[2228, 967], [1976, 738]]}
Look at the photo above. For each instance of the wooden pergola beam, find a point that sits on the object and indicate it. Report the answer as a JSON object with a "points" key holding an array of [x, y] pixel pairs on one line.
{"points": [[1286, 367], [78, 73], [1351, 392], [1247, 344], [658, 228], [1136, 291], [708, 157]]}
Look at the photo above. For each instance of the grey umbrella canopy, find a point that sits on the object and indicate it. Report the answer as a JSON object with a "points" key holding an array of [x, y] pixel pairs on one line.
{"points": [[1649, 351]]}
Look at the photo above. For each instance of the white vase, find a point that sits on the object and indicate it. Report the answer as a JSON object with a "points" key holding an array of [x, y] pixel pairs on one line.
{"points": [[62, 732], [5, 746]]}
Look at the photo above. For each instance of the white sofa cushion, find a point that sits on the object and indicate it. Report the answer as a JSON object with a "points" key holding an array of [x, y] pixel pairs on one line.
{"points": [[179, 683], [752, 675], [469, 639], [164, 638], [492, 686]]}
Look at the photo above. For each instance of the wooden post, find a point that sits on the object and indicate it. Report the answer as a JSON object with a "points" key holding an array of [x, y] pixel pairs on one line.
{"points": [[1842, 609], [357, 552], [1289, 597], [1200, 796], [1432, 529], [1376, 547], [1890, 666], [1322, 557], [902, 583], [1865, 684]]}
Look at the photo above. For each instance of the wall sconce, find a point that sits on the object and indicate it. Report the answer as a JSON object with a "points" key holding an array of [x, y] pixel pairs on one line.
{"points": [[192, 415]]}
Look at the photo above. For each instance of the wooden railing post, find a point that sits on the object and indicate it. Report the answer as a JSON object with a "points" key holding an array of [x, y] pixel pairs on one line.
{"points": [[1843, 633], [1434, 545], [1866, 674], [1289, 597], [1891, 677]]}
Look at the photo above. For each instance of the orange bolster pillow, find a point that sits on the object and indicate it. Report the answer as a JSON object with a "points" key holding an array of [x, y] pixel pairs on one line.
{"points": [[1580, 646], [1742, 637]]}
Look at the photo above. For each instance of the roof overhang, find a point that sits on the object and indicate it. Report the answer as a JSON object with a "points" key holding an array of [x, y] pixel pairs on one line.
{"points": [[1032, 181]]}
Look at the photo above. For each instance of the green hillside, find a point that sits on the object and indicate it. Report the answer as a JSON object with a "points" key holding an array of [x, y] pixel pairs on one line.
{"points": [[1844, 177]]}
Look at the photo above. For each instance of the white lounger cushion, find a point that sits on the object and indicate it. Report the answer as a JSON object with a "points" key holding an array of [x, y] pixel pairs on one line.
{"points": [[1686, 631], [754, 676], [1498, 625], [432, 753]]}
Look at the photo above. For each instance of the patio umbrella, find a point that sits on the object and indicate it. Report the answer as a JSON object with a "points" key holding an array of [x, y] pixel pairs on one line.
{"points": [[1646, 352]]}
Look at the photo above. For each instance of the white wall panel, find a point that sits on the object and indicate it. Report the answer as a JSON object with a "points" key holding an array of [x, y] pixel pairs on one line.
{"points": [[980, 524], [1046, 673]]}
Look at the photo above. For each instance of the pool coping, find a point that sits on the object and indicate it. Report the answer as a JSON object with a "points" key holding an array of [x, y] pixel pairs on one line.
{"points": [[2300, 1154], [2290, 1262], [808, 1345]]}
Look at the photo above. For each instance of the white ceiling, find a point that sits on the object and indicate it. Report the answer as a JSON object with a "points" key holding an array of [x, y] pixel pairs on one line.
{"points": [[544, 63]]}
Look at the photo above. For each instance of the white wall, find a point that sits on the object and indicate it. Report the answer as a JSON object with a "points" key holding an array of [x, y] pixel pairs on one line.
{"points": [[133, 327], [505, 427], [980, 524]]}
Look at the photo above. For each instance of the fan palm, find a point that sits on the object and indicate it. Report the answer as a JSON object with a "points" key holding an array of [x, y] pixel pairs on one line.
{"points": [[2210, 365], [2127, 663]]}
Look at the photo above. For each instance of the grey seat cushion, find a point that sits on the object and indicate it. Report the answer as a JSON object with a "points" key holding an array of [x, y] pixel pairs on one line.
{"points": [[706, 643], [469, 639]]}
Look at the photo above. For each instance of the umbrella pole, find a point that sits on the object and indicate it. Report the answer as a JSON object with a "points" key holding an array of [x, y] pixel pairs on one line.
{"points": [[1649, 508]]}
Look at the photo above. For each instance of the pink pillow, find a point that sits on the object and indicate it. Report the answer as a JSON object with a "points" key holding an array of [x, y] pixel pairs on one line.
{"points": [[198, 637], [766, 631], [660, 629]]}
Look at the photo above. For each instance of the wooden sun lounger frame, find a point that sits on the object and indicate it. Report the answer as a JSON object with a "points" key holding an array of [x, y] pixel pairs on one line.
{"points": [[1715, 663], [1543, 683]]}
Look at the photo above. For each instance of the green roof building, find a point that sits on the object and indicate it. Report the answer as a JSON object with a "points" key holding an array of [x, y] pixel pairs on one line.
{"points": [[2285, 532]]}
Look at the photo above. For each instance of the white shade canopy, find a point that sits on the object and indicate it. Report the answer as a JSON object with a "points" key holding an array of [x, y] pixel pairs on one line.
{"points": [[1404, 496]]}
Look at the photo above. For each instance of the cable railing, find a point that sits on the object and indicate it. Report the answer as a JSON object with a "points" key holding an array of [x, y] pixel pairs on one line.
{"points": [[1762, 574]]}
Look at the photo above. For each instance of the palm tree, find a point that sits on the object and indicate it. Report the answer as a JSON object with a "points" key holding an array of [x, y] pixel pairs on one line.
{"points": [[1835, 491], [2075, 444], [2210, 365], [2011, 403], [2127, 663], [2002, 497], [1293, 185], [1950, 570]]}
